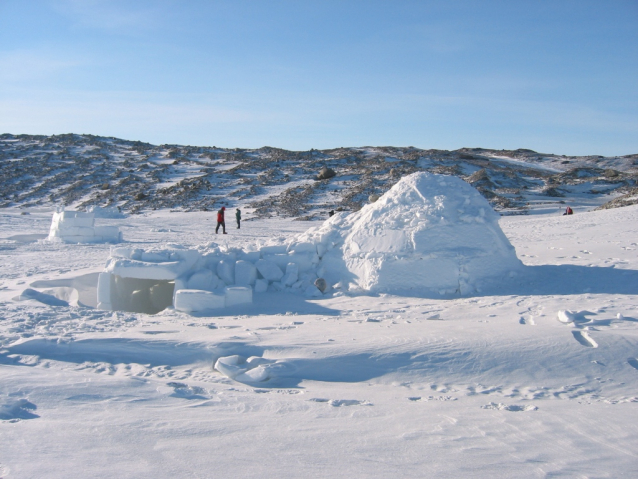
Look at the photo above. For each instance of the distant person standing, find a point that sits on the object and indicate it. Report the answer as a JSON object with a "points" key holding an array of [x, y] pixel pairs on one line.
{"points": [[238, 217], [220, 220]]}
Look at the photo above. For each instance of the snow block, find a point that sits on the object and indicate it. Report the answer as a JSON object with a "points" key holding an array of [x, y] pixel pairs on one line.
{"points": [[65, 230], [252, 256], [193, 300], [305, 261], [306, 247], [104, 291], [261, 285], [226, 271], [202, 279], [122, 252], [238, 295], [280, 259], [153, 256], [274, 249], [291, 276], [180, 262], [82, 239], [269, 270], [66, 215], [245, 273], [129, 268], [312, 291]]}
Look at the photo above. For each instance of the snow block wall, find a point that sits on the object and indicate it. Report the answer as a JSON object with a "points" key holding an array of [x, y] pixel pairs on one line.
{"points": [[430, 234], [79, 227], [150, 281]]}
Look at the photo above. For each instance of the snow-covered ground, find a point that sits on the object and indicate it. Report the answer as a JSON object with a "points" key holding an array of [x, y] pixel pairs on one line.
{"points": [[362, 386]]}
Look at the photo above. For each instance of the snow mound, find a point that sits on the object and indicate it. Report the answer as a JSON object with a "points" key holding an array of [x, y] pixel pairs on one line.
{"points": [[431, 233]]}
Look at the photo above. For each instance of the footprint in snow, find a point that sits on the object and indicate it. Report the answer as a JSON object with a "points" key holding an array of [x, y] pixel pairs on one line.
{"points": [[342, 402], [432, 398], [512, 408], [633, 362], [278, 391], [15, 410], [184, 391]]}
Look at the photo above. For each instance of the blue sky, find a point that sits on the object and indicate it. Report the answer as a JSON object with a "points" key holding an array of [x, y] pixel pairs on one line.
{"points": [[555, 76]]}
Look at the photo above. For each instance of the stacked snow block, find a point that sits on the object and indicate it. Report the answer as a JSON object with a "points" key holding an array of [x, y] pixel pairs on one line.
{"points": [[149, 281], [135, 279], [79, 227]]}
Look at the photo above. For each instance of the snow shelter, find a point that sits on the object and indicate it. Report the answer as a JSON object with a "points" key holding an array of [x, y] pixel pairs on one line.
{"points": [[149, 281], [79, 227]]}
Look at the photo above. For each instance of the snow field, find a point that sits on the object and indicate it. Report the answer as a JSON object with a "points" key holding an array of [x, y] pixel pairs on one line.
{"points": [[384, 385]]}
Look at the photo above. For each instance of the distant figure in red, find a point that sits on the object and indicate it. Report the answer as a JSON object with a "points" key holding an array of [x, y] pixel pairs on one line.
{"points": [[220, 220], [568, 211]]}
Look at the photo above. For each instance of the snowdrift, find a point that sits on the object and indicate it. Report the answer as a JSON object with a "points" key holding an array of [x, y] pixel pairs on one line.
{"points": [[430, 234]]}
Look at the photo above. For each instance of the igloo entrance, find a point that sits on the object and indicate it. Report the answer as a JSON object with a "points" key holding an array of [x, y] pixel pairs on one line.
{"points": [[149, 296]]}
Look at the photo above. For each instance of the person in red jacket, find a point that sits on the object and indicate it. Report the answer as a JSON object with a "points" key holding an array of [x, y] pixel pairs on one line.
{"points": [[220, 220]]}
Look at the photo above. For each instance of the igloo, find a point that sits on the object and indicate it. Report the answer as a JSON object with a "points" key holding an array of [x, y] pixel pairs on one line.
{"points": [[429, 233]]}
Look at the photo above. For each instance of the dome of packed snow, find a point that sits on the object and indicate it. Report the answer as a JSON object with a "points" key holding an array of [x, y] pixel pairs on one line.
{"points": [[429, 235]]}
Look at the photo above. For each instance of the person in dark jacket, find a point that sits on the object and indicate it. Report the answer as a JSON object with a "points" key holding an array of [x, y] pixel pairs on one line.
{"points": [[220, 220], [238, 216]]}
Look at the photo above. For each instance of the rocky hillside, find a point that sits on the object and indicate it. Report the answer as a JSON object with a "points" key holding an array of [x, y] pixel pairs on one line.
{"points": [[83, 170]]}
